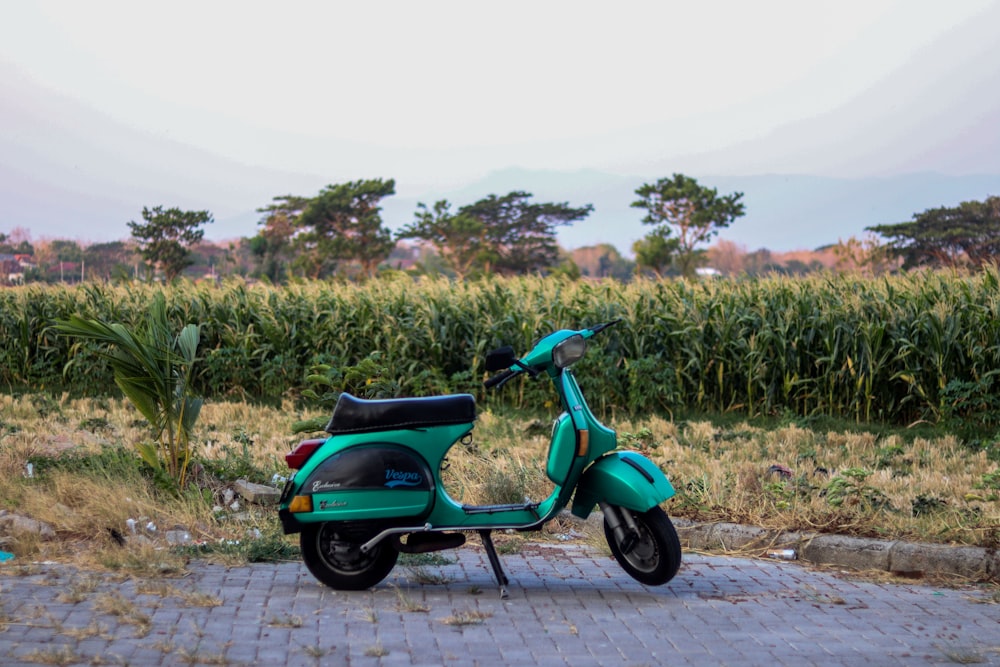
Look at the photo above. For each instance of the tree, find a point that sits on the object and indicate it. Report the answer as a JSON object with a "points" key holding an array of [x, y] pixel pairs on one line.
{"points": [[166, 237], [519, 236], [272, 247], [343, 222], [692, 213], [459, 238], [108, 261], [18, 242], [655, 251], [66, 251], [968, 234], [602, 261], [865, 256], [506, 234]]}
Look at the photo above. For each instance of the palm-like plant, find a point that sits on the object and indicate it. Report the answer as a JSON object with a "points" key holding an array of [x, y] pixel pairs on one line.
{"points": [[154, 369]]}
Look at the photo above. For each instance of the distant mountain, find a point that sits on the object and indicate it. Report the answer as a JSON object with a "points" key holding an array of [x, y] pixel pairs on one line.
{"points": [[71, 172], [938, 112]]}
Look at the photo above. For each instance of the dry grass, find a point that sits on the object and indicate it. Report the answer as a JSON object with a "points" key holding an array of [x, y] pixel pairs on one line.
{"points": [[469, 617], [857, 483], [87, 483], [114, 604]]}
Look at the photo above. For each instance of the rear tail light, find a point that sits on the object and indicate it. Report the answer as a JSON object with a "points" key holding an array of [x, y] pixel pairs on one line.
{"points": [[298, 456]]}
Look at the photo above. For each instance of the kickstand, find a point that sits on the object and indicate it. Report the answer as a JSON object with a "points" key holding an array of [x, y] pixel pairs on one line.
{"points": [[491, 553]]}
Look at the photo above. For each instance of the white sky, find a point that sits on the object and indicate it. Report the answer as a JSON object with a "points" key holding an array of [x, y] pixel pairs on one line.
{"points": [[451, 89]]}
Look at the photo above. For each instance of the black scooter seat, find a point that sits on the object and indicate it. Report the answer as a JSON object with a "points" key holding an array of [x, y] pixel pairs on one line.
{"points": [[359, 415]]}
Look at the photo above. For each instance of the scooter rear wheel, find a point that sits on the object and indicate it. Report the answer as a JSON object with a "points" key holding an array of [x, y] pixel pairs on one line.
{"points": [[334, 556], [655, 556]]}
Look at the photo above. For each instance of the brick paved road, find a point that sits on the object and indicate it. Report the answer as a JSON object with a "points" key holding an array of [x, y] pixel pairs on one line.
{"points": [[568, 605]]}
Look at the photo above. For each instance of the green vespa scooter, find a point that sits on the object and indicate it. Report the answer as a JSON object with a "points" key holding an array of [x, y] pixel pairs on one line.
{"points": [[372, 489]]}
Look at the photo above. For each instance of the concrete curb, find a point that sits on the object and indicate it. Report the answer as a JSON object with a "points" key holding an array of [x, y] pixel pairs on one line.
{"points": [[910, 559]]}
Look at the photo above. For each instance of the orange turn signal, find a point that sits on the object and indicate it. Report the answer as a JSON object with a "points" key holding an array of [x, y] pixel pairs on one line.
{"points": [[582, 442], [301, 504]]}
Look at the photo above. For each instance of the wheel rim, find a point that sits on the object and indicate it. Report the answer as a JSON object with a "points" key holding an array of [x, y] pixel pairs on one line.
{"points": [[645, 555], [343, 555]]}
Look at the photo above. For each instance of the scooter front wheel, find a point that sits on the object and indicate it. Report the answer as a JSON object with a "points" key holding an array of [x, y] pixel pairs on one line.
{"points": [[653, 555], [334, 556]]}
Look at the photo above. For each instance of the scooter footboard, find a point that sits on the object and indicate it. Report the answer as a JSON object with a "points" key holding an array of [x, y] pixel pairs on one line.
{"points": [[626, 479]]}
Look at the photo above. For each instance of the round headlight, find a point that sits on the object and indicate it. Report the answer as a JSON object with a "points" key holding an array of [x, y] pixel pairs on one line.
{"points": [[569, 351]]}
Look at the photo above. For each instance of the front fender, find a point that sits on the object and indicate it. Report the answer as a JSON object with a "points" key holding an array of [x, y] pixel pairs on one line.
{"points": [[626, 479]]}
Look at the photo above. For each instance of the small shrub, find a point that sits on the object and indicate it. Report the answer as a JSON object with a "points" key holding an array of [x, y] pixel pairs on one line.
{"points": [[235, 463], [154, 369], [990, 480], [849, 488], [271, 547], [925, 504], [642, 440], [95, 424]]}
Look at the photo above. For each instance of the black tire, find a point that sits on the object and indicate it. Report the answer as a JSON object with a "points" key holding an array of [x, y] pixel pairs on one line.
{"points": [[655, 558], [333, 557]]}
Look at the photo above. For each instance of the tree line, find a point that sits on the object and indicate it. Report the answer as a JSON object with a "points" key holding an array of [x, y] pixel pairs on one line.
{"points": [[340, 231]]}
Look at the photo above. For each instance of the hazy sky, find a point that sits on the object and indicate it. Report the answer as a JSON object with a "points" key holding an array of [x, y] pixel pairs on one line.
{"points": [[449, 90], [107, 106]]}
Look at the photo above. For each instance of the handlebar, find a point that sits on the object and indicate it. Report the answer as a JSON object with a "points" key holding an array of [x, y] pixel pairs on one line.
{"points": [[505, 356], [499, 378], [598, 328]]}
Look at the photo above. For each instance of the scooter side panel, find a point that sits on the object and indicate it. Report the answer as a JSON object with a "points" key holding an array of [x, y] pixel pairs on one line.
{"points": [[358, 477], [369, 481], [362, 505], [626, 479]]}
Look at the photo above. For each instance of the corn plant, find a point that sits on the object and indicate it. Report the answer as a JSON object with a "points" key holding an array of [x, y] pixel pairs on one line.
{"points": [[897, 349]]}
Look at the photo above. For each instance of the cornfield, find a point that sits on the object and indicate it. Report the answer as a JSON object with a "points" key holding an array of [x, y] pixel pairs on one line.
{"points": [[921, 346]]}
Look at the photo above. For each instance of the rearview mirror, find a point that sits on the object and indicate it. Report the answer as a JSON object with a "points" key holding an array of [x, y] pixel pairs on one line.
{"points": [[500, 359]]}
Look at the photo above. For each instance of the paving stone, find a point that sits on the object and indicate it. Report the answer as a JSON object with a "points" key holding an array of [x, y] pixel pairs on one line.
{"points": [[568, 605]]}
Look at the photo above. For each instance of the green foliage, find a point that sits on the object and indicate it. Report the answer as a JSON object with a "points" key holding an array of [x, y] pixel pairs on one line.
{"points": [[167, 235], [95, 424], [685, 215], [236, 462], [990, 481], [425, 560], [507, 235], [925, 504], [369, 378], [520, 235], [343, 222], [459, 238], [900, 350], [272, 247], [656, 251], [270, 547], [642, 441], [849, 488], [971, 400], [153, 368], [693, 495], [965, 235], [109, 462]]}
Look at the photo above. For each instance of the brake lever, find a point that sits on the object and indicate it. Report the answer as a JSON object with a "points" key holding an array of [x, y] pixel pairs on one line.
{"points": [[598, 328], [533, 372]]}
